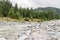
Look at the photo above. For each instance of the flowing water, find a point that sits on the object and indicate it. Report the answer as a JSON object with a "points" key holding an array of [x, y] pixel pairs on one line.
{"points": [[48, 30]]}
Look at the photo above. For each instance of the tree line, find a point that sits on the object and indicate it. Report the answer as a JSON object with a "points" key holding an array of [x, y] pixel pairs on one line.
{"points": [[7, 10]]}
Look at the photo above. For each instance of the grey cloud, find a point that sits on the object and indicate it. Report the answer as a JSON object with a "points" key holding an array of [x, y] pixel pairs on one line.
{"points": [[37, 3]]}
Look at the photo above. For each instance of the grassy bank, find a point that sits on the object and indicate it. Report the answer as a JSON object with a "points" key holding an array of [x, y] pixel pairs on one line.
{"points": [[21, 19]]}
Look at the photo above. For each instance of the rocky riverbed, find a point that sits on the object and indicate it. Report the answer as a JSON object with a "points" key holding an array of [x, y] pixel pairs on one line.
{"points": [[48, 30]]}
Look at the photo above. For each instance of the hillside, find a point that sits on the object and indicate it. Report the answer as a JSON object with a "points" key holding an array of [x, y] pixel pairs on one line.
{"points": [[57, 10]]}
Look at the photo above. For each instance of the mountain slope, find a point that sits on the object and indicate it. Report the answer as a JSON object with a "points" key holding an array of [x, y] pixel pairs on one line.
{"points": [[48, 8]]}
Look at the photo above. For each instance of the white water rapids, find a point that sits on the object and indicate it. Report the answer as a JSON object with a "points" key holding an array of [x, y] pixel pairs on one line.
{"points": [[48, 30]]}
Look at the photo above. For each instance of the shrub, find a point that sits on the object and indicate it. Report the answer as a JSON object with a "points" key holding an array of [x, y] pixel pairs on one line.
{"points": [[26, 19]]}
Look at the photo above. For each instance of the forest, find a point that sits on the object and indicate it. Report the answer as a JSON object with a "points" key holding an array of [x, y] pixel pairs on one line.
{"points": [[7, 10]]}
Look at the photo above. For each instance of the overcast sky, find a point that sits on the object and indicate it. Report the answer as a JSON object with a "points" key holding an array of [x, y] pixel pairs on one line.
{"points": [[37, 3]]}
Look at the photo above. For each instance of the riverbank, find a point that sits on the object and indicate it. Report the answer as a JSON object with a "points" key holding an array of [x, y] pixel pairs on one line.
{"points": [[22, 20]]}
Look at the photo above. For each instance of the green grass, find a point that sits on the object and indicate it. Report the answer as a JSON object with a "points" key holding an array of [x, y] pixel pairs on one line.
{"points": [[21, 19]]}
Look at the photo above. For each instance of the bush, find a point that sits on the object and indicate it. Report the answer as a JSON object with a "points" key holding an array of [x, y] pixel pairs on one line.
{"points": [[26, 19]]}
